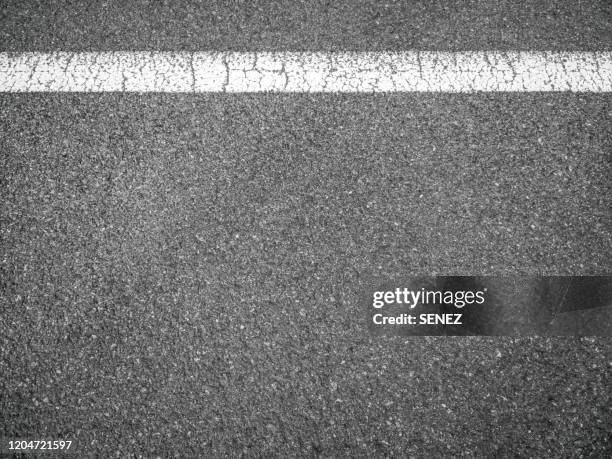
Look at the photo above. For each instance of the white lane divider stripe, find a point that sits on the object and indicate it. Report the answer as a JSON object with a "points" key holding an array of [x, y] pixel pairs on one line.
{"points": [[410, 71]]}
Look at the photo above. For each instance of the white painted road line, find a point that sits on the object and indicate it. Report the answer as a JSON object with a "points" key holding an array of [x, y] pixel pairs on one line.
{"points": [[413, 71]]}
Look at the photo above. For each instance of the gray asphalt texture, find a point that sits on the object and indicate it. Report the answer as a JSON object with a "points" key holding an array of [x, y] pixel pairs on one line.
{"points": [[317, 25], [181, 274]]}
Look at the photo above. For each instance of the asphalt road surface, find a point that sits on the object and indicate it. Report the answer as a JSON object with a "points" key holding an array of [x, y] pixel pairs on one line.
{"points": [[319, 25], [179, 274]]}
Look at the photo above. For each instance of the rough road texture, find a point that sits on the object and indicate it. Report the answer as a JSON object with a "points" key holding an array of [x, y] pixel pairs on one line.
{"points": [[181, 272], [307, 72], [305, 25], [178, 273]]}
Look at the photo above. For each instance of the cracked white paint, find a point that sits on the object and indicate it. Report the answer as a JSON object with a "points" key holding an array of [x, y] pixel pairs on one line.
{"points": [[412, 71]]}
